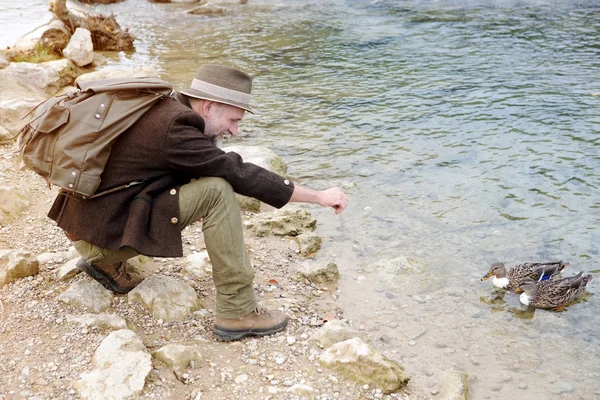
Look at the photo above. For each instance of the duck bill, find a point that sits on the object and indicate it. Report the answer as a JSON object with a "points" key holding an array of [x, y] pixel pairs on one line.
{"points": [[486, 277]]}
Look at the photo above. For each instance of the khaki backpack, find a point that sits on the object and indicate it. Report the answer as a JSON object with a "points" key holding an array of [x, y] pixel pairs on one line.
{"points": [[69, 137]]}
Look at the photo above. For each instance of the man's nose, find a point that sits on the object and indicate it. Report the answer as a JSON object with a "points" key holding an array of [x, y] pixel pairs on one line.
{"points": [[234, 129]]}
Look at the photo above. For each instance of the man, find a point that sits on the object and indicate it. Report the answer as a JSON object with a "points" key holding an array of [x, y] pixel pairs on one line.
{"points": [[172, 150]]}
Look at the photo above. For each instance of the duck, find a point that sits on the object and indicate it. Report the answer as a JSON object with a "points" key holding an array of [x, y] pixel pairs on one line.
{"points": [[553, 293], [511, 278]]}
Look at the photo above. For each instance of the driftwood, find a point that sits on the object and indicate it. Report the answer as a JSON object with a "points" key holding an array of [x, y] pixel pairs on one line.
{"points": [[107, 34], [56, 37]]}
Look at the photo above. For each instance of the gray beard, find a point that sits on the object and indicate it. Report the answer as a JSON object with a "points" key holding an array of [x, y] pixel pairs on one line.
{"points": [[217, 141]]}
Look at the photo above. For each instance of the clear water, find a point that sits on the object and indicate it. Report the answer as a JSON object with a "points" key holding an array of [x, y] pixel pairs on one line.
{"points": [[465, 132]]}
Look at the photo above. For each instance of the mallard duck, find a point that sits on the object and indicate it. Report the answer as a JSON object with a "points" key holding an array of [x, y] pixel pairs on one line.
{"points": [[553, 293], [512, 278]]}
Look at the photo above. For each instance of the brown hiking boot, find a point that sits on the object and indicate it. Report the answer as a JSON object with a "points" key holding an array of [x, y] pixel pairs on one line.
{"points": [[112, 276], [259, 322]]}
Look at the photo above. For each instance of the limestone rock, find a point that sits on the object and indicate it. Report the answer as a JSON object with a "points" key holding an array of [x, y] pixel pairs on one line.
{"points": [[333, 332], [321, 274], [208, 9], [454, 386], [300, 390], [31, 79], [16, 264], [178, 356], [121, 364], [263, 157], [397, 266], [58, 256], [291, 221], [89, 294], [80, 49], [24, 85], [309, 243], [12, 112], [166, 298], [68, 270], [13, 202], [362, 363], [198, 266], [108, 72], [103, 320]]}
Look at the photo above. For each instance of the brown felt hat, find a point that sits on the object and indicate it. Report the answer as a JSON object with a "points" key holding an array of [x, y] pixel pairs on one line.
{"points": [[222, 84]]}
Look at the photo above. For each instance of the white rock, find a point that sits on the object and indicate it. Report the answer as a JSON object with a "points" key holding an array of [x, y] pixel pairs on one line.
{"points": [[178, 356], [197, 265], [80, 49], [121, 364], [332, 332], [111, 321], [301, 390], [89, 294], [166, 298], [16, 264], [68, 270]]}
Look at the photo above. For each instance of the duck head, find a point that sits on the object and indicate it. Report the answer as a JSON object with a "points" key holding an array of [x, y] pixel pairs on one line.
{"points": [[498, 272]]}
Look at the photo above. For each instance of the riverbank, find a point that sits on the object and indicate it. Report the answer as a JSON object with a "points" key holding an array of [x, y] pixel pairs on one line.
{"points": [[47, 347]]}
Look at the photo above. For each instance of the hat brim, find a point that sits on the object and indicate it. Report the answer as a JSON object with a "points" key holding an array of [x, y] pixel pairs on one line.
{"points": [[205, 96]]}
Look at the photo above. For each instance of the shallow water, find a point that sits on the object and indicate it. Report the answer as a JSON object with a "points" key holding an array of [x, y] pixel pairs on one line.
{"points": [[465, 133]]}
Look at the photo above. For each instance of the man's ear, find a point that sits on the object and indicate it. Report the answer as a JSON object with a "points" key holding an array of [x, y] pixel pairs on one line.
{"points": [[206, 106]]}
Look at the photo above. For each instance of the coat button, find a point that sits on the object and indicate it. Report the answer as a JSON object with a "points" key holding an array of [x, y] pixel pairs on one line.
{"points": [[173, 191], [174, 220], [286, 182]]}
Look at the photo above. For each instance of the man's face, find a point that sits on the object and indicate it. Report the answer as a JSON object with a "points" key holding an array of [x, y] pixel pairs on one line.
{"points": [[222, 119]]}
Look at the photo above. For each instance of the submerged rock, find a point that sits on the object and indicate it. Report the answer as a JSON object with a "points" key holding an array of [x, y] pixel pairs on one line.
{"points": [[454, 386], [284, 222], [321, 274], [362, 363], [263, 157]]}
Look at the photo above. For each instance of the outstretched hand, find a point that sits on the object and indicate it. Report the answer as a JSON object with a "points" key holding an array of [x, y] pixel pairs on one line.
{"points": [[334, 198]]}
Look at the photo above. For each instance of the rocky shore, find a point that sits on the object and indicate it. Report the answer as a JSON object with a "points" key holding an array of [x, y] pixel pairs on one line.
{"points": [[63, 336]]}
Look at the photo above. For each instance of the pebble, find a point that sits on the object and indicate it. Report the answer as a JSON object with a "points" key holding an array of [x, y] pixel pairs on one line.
{"points": [[279, 359], [412, 343], [418, 299], [291, 340], [523, 386], [241, 378]]}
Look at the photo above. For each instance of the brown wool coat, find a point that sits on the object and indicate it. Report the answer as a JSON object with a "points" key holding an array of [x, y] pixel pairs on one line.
{"points": [[165, 149]]}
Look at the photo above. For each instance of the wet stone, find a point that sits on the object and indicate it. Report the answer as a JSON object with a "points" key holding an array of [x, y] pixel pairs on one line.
{"points": [[562, 387]]}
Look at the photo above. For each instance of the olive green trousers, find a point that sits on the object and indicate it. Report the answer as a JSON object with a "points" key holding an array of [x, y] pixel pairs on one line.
{"points": [[213, 200]]}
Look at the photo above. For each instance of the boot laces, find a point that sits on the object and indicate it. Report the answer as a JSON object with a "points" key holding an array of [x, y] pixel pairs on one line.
{"points": [[263, 312]]}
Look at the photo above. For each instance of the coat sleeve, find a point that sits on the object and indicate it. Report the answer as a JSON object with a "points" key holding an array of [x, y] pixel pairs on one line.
{"points": [[192, 155]]}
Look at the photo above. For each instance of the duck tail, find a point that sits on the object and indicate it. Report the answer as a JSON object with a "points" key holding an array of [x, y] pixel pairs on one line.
{"points": [[563, 266]]}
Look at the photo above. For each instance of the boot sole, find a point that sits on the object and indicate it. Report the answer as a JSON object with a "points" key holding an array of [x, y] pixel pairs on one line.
{"points": [[230, 335], [101, 277]]}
